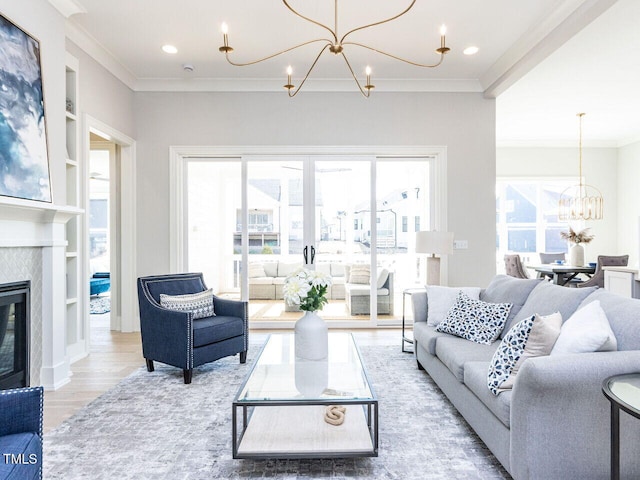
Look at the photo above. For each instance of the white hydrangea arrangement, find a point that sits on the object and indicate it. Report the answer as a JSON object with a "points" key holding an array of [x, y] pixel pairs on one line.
{"points": [[307, 288]]}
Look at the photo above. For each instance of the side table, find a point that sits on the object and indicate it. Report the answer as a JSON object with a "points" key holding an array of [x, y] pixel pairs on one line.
{"points": [[623, 391], [405, 336]]}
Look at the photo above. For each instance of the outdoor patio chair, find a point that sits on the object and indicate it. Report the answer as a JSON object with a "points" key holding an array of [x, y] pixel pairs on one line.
{"points": [[181, 338]]}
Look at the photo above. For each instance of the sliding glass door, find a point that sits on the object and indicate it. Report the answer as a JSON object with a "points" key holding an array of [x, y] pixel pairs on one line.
{"points": [[253, 220]]}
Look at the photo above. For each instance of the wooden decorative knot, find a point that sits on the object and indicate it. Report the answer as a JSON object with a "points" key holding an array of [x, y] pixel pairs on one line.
{"points": [[334, 414]]}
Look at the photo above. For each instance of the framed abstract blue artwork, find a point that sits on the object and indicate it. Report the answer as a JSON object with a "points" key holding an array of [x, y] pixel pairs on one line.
{"points": [[24, 161]]}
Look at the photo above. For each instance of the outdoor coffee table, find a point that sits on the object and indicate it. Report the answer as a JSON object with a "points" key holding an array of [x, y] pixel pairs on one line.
{"points": [[279, 410]]}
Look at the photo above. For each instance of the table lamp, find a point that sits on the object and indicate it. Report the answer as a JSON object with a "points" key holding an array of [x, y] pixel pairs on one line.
{"points": [[435, 243]]}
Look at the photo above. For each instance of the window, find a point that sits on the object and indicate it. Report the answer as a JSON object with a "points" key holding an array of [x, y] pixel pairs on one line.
{"points": [[417, 224], [527, 217], [405, 224]]}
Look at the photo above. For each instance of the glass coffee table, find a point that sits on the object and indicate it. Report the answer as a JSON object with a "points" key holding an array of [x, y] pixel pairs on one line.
{"points": [[279, 410]]}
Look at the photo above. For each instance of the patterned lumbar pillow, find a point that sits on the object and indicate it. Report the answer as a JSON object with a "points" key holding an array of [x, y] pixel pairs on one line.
{"points": [[475, 320], [531, 337], [201, 303]]}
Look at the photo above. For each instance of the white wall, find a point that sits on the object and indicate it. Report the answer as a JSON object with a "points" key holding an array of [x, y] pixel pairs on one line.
{"points": [[102, 95], [600, 169], [628, 204], [464, 123]]}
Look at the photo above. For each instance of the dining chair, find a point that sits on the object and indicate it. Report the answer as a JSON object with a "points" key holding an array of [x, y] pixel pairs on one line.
{"points": [[546, 258], [597, 280], [513, 266]]}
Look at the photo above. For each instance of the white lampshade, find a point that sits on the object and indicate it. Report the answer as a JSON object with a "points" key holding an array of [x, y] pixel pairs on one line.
{"points": [[440, 243]]}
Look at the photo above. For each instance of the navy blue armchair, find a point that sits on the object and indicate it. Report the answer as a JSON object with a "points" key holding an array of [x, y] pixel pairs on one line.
{"points": [[176, 338], [21, 433]]}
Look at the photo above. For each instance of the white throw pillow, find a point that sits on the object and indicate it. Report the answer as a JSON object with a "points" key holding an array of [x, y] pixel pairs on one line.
{"points": [[441, 299], [531, 337], [256, 270], [587, 330]]}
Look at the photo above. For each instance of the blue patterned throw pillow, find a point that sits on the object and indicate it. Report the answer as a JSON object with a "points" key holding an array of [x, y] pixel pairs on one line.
{"points": [[475, 320], [201, 303], [531, 337]]}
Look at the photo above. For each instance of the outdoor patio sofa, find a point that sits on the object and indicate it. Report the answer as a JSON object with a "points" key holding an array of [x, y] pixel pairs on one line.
{"points": [[555, 422], [266, 279]]}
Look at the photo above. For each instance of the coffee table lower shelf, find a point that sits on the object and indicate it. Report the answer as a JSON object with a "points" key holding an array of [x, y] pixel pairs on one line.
{"points": [[289, 432]]}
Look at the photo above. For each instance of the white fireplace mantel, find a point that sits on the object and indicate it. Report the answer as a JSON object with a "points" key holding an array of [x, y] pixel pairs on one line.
{"points": [[40, 225], [25, 223]]}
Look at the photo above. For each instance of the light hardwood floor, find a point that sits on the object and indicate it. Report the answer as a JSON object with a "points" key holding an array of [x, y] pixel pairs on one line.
{"points": [[115, 355]]}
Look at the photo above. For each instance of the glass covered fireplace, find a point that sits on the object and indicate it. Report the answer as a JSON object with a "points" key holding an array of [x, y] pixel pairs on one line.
{"points": [[14, 334]]}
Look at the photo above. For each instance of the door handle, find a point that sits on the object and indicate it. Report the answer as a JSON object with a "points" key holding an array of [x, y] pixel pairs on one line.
{"points": [[305, 252], [313, 254]]}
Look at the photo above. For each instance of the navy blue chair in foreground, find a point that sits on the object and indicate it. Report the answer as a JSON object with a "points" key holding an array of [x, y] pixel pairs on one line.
{"points": [[21, 433], [184, 325]]}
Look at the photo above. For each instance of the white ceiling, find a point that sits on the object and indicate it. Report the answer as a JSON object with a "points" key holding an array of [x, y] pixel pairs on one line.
{"points": [[545, 60]]}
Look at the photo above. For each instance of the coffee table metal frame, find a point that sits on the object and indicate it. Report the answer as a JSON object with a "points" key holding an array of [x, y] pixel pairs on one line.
{"points": [[370, 407]]}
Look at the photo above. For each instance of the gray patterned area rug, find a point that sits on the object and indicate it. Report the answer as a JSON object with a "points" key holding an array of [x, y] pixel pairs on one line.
{"points": [[152, 426]]}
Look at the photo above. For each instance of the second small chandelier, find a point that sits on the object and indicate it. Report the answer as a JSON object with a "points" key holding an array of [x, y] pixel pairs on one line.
{"points": [[335, 45]]}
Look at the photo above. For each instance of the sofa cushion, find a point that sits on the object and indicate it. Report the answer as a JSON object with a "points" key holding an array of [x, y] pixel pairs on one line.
{"points": [[475, 320], [532, 337], [586, 331], [324, 268], [383, 275], [548, 298], [356, 290], [285, 269], [441, 299], [337, 270], [623, 314], [201, 303], [504, 288], [475, 378], [270, 269], [427, 336], [215, 329], [262, 280], [360, 274], [454, 352], [256, 269]]}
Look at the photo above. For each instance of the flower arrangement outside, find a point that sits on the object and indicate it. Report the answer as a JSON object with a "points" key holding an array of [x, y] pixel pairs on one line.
{"points": [[581, 236], [307, 288]]}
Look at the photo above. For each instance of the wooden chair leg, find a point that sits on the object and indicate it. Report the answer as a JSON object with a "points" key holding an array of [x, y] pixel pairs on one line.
{"points": [[243, 357], [149, 365], [188, 374]]}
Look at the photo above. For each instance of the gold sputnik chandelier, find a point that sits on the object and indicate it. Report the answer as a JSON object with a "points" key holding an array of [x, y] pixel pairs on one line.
{"points": [[336, 45], [582, 201]]}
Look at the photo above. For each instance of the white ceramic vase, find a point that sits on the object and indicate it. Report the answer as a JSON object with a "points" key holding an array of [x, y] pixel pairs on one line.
{"points": [[576, 255], [311, 337], [312, 377]]}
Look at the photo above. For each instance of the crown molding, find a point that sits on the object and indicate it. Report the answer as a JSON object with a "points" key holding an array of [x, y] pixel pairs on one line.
{"points": [[541, 41], [101, 55], [68, 7]]}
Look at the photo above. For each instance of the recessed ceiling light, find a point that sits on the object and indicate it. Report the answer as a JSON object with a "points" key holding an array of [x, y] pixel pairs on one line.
{"points": [[169, 49], [470, 50]]}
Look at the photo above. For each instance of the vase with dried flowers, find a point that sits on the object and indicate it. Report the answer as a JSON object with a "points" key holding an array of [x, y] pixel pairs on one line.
{"points": [[576, 252]]}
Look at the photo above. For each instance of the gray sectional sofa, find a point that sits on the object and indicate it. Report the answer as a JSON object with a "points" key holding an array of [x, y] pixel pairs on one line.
{"points": [[555, 422]]}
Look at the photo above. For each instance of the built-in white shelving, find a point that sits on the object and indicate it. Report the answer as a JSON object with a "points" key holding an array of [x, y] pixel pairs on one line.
{"points": [[75, 287]]}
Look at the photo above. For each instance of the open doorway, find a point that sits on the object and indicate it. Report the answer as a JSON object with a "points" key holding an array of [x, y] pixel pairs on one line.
{"points": [[103, 227]]}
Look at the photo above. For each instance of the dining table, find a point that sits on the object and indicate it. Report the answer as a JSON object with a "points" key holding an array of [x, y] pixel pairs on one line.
{"points": [[562, 274]]}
